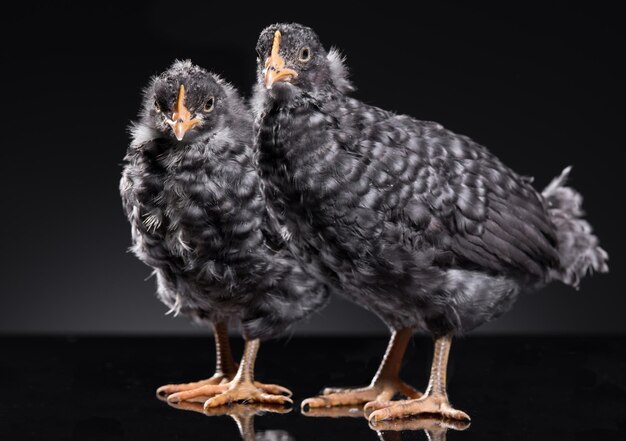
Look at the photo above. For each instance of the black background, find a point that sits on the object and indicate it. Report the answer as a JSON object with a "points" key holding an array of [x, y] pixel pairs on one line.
{"points": [[540, 86]]}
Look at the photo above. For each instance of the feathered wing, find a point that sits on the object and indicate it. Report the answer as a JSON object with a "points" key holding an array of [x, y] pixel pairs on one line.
{"points": [[484, 213], [460, 195], [461, 198], [498, 221]]}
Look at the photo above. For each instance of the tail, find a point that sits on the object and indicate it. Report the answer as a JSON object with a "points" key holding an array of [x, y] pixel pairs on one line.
{"points": [[578, 247]]}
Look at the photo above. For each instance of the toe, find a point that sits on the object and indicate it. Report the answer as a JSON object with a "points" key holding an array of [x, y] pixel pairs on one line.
{"points": [[346, 398], [271, 399], [376, 405], [379, 415], [168, 389], [395, 409], [195, 394], [218, 400], [448, 411], [274, 389], [311, 403], [164, 391]]}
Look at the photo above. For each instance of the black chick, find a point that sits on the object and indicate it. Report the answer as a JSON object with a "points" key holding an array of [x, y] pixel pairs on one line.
{"points": [[424, 227], [192, 194]]}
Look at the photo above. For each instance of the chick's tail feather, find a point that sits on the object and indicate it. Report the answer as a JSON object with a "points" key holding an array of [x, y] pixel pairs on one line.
{"points": [[578, 248]]}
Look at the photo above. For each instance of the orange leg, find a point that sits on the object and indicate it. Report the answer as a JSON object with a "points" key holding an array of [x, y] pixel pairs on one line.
{"points": [[385, 384], [225, 371], [225, 368], [433, 402], [242, 388]]}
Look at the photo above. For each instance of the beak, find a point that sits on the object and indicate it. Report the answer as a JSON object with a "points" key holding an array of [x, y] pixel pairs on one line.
{"points": [[275, 69], [181, 117]]}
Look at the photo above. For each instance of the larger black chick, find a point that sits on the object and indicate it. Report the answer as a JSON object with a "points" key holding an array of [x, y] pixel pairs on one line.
{"points": [[424, 227], [192, 194]]}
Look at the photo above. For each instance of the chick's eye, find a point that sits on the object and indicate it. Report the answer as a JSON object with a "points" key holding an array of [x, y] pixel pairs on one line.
{"points": [[305, 54], [157, 107], [209, 105]]}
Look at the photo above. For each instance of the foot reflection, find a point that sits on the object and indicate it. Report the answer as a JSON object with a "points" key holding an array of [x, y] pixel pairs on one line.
{"points": [[334, 412], [243, 415], [434, 427]]}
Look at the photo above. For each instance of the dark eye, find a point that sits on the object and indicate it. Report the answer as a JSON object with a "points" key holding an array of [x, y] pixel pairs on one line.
{"points": [[157, 107], [209, 105], [305, 54]]}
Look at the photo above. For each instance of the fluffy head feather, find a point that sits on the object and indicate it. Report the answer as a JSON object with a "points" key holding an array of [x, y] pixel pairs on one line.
{"points": [[201, 88], [318, 71]]}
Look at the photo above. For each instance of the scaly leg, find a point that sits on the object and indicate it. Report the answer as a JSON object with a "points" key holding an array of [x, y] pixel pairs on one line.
{"points": [[225, 371], [225, 367], [435, 399], [385, 384], [241, 388]]}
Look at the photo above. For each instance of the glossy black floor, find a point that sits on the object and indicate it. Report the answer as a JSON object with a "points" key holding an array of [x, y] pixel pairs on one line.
{"points": [[535, 388]]}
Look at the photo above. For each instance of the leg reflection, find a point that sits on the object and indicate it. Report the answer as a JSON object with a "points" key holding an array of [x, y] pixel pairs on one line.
{"points": [[243, 415], [434, 427]]}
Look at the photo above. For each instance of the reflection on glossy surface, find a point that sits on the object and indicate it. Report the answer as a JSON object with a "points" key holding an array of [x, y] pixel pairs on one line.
{"points": [[434, 428], [516, 388], [335, 412], [243, 415]]}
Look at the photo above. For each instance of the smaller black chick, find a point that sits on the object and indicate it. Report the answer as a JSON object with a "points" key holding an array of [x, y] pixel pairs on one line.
{"points": [[192, 194]]}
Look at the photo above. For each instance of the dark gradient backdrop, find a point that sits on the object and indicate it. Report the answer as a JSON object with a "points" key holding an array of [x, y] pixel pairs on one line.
{"points": [[542, 87]]}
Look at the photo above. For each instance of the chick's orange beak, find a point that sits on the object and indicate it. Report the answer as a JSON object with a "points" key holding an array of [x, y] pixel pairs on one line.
{"points": [[275, 69], [181, 120]]}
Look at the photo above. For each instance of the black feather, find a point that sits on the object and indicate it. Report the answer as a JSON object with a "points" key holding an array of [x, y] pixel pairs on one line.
{"points": [[420, 225], [199, 217]]}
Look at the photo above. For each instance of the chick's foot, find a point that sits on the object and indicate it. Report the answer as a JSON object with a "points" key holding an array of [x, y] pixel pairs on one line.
{"points": [[204, 391], [379, 391], [432, 404], [385, 385], [241, 391]]}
